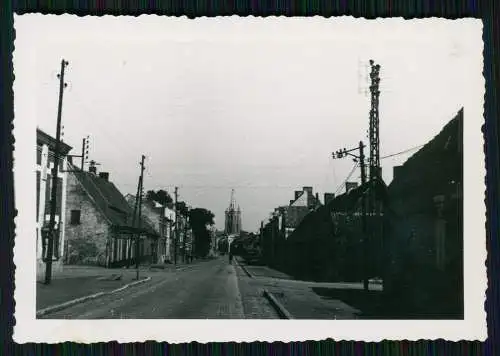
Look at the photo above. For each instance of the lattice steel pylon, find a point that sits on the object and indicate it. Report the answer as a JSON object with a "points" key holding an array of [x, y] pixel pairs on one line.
{"points": [[374, 162], [374, 261]]}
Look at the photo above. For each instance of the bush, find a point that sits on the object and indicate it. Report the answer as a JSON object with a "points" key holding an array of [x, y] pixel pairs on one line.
{"points": [[82, 251]]}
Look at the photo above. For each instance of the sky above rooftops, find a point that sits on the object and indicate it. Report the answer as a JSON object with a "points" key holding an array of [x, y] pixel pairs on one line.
{"points": [[257, 105]]}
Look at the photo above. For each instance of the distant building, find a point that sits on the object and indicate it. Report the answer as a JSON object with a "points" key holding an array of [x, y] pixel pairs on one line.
{"points": [[304, 201], [101, 229], [233, 218], [45, 148], [170, 232], [283, 221], [327, 244], [155, 215]]}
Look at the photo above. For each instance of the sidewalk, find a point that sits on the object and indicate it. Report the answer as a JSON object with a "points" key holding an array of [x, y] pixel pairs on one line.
{"points": [[76, 281], [265, 272], [309, 299]]}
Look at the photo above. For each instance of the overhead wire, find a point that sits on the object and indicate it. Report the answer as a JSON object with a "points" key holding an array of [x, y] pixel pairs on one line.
{"points": [[348, 177], [403, 152]]}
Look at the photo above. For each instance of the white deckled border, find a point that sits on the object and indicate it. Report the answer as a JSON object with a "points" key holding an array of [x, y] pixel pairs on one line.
{"points": [[29, 329]]}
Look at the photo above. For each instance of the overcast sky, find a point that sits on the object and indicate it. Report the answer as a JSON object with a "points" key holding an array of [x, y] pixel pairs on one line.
{"points": [[257, 105]]}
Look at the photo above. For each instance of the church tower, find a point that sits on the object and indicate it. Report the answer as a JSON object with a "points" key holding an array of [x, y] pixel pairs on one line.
{"points": [[233, 217]]}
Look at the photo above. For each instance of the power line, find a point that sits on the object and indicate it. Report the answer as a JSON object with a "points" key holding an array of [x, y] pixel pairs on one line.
{"points": [[348, 177], [402, 152]]}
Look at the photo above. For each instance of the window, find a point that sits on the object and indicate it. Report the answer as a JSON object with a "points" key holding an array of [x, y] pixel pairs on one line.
{"points": [[75, 217]]}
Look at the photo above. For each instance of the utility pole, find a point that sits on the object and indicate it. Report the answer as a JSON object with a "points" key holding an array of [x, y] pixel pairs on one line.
{"points": [[361, 158], [363, 215], [176, 237], [82, 156], [53, 205], [129, 262], [141, 191], [375, 173], [374, 122]]}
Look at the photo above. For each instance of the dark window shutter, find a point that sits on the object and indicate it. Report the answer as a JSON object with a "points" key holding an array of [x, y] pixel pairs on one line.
{"points": [[59, 196], [57, 241], [38, 155], [37, 194], [48, 183]]}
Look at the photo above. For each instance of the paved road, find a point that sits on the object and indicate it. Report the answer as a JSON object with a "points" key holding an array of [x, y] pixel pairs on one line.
{"points": [[206, 290]]}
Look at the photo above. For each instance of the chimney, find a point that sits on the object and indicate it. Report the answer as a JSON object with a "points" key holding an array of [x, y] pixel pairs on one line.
{"points": [[297, 194], [317, 198], [397, 172], [329, 197], [309, 190], [350, 186], [104, 175]]}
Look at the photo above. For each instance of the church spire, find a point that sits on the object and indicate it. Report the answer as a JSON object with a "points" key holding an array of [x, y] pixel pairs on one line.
{"points": [[233, 217], [233, 201]]}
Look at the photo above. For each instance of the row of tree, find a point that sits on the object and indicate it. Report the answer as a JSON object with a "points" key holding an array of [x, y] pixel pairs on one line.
{"points": [[199, 219]]}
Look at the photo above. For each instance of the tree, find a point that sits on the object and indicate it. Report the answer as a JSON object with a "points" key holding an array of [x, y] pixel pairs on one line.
{"points": [[200, 219], [182, 208], [161, 196]]}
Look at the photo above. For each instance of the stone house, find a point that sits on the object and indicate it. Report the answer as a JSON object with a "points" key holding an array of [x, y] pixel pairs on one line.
{"points": [[101, 229], [45, 148]]}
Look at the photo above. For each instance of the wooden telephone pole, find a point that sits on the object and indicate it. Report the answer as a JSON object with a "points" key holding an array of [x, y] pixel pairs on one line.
{"points": [[361, 158], [53, 205], [134, 219], [137, 238], [363, 216]]}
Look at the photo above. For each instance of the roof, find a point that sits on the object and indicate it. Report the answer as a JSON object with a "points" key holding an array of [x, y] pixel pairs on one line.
{"points": [[442, 154], [295, 214], [306, 199], [44, 138], [348, 201], [148, 208], [110, 202]]}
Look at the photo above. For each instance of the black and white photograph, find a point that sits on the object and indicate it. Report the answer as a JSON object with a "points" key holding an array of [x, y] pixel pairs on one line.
{"points": [[203, 179]]}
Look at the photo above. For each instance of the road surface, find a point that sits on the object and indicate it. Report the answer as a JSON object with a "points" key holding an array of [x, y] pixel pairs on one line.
{"points": [[211, 289]]}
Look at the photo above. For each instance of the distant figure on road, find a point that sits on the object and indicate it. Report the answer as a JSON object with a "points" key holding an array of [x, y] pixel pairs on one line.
{"points": [[230, 257]]}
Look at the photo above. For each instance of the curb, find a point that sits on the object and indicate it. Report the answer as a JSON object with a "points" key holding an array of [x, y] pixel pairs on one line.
{"points": [[243, 268], [283, 313], [70, 303]]}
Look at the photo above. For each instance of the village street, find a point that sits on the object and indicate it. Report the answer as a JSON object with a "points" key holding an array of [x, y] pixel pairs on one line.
{"points": [[211, 289]]}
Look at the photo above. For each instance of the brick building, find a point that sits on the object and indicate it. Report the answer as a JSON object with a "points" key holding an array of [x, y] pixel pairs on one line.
{"points": [[283, 221], [426, 239], [101, 228], [327, 244], [45, 148]]}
